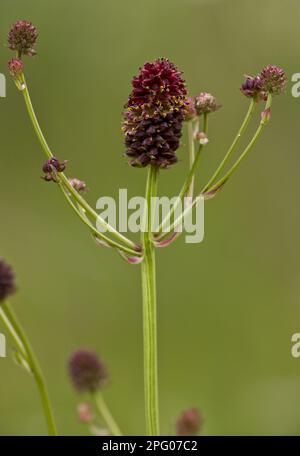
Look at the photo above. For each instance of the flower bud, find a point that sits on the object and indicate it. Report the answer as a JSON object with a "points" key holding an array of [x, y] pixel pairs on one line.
{"points": [[7, 280], [16, 67], [77, 184], [22, 37], [84, 412], [266, 116], [205, 103], [191, 112], [87, 372], [51, 167], [201, 137], [273, 79], [189, 422], [253, 88]]}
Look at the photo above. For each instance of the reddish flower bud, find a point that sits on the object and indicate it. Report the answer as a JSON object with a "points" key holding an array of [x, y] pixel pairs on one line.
{"points": [[189, 422], [51, 167], [22, 37], [7, 280], [16, 67], [87, 372], [273, 79], [85, 413], [253, 88], [266, 116], [205, 103]]}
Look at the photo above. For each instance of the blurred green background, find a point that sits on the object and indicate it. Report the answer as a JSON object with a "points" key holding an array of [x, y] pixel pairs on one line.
{"points": [[228, 306]]}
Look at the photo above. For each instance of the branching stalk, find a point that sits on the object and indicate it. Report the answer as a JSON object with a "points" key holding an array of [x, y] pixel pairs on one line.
{"points": [[89, 210], [18, 335]]}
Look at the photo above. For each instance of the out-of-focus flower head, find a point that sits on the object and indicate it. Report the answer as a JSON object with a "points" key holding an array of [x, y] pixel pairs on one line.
{"points": [[87, 371], [7, 280], [189, 422]]}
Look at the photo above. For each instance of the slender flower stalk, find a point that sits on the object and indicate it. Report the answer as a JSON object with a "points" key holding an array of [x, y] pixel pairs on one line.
{"points": [[97, 234], [160, 234], [191, 143], [212, 190], [106, 414], [257, 134], [233, 146], [149, 311], [18, 335], [132, 246]]}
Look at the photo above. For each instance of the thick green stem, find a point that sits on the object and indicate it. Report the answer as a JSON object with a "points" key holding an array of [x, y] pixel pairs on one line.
{"points": [[233, 146], [106, 415], [23, 345], [91, 212], [149, 313]]}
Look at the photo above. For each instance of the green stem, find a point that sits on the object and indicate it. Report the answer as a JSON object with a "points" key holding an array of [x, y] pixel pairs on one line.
{"points": [[19, 336], [231, 170], [64, 179], [246, 151], [191, 143], [186, 186], [233, 146], [94, 231], [149, 314], [106, 415]]}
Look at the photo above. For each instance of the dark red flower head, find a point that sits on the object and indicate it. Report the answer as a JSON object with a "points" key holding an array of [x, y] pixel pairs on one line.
{"points": [[273, 79], [7, 280], [154, 115], [159, 87], [153, 140], [189, 422], [22, 37], [87, 372]]}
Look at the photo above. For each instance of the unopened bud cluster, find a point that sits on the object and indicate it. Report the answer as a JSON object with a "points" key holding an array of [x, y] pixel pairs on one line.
{"points": [[271, 79]]}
